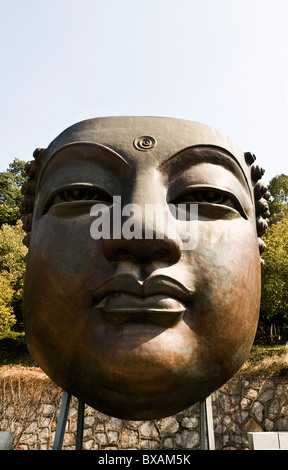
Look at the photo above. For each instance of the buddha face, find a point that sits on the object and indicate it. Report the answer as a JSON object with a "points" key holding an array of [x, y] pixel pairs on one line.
{"points": [[142, 327]]}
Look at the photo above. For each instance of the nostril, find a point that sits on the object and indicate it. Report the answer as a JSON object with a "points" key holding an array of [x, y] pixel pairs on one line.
{"points": [[120, 255], [165, 254], [142, 251], [161, 253]]}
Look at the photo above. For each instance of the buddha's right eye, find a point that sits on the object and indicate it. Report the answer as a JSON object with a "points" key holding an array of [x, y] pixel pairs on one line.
{"points": [[78, 194]]}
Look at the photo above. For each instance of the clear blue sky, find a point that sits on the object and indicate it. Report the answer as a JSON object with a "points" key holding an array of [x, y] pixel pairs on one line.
{"points": [[221, 62]]}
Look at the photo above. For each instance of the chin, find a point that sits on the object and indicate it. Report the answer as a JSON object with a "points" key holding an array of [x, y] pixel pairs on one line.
{"points": [[146, 403]]}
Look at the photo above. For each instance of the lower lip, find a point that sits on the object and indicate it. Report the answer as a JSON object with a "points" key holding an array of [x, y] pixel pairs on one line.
{"points": [[125, 308]]}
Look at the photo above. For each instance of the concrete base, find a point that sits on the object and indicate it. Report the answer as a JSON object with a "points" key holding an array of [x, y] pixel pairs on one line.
{"points": [[6, 440], [268, 440]]}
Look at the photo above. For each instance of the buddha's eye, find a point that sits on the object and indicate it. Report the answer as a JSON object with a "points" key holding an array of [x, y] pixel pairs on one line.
{"points": [[208, 196], [79, 194]]}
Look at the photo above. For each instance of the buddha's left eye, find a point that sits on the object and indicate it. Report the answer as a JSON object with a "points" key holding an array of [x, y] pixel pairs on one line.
{"points": [[204, 196], [208, 196]]}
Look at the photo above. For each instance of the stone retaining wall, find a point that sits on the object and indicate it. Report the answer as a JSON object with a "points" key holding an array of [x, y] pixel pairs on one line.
{"points": [[241, 405]]}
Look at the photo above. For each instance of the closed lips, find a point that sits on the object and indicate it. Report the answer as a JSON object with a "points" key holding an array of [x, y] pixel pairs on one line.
{"points": [[158, 299]]}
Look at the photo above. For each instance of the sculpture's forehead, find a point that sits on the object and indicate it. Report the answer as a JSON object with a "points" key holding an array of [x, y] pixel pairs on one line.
{"points": [[133, 136]]}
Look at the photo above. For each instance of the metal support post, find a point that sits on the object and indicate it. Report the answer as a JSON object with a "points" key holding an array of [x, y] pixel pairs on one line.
{"points": [[62, 419], [80, 423], [206, 425]]}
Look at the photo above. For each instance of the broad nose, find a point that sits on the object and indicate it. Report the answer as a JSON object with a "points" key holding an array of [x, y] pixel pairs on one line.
{"points": [[142, 251], [146, 223]]}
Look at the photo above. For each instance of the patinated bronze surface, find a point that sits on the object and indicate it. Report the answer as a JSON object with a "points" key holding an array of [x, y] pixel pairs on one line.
{"points": [[142, 328]]}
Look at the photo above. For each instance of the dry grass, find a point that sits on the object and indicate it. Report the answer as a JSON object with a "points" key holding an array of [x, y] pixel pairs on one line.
{"points": [[19, 371], [266, 361], [23, 391]]}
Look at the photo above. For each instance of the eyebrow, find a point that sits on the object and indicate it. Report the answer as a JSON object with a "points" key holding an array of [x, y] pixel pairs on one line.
{"points": [[192, 156], [76, 145]]}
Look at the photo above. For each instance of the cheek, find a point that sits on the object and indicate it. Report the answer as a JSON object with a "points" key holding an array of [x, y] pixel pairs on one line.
{"points": [[226, 257], [62, 265], [62, 251], [227, 273]]}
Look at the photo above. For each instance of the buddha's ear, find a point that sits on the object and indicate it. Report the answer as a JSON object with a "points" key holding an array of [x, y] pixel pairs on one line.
{"points": [[261, 197], [28, 189]]}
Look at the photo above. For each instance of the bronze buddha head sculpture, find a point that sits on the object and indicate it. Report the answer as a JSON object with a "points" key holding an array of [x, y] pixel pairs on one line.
{"points": [[141, 327]]}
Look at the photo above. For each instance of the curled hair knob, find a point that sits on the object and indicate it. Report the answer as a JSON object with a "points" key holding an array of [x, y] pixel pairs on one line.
{"points": [[262, 225], [259, 190], [32, 169], [257, 172], [262, 208], [261, 245], [38, 154], [29, 187], [27, 204], [250, 158]]}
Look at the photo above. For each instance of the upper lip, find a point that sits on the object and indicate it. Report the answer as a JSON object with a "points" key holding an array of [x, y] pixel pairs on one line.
{"points": [[154, 285]]}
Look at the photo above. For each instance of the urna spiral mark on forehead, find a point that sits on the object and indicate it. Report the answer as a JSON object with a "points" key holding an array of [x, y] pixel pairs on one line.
{"points": [[173, 135]]}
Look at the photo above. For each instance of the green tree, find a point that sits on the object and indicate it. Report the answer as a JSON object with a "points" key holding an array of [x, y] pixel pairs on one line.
{"points": [[278, 202], [12, 268], [274, 303], [11, 181], [12, 251], [7, 317]]}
